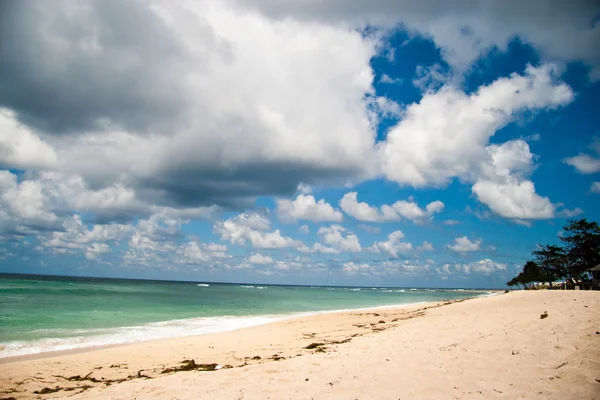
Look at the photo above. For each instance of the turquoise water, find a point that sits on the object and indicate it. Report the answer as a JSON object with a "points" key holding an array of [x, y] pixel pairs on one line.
{"points": [[43, 313]]}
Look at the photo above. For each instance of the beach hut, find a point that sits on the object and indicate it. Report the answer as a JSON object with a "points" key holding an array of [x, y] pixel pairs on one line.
{"points": [[595, 271]]}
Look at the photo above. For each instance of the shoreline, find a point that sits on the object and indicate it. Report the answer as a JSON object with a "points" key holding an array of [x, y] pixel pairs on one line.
{"points": [[273, 318], [490, 347]]}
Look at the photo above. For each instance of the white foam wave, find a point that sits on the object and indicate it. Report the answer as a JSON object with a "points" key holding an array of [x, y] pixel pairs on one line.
{"points": [[82, 338], [203, 285]]}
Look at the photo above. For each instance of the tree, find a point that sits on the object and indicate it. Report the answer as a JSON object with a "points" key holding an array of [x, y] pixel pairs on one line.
{"points": [[553, 262], [582, 246], [531, 273]]}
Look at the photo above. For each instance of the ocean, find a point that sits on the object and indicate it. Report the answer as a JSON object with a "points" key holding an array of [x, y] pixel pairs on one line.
{"points": [[49, 313]]}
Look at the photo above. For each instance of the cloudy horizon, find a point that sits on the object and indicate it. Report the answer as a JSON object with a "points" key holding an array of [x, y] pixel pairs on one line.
{"points": [[295, 142]]}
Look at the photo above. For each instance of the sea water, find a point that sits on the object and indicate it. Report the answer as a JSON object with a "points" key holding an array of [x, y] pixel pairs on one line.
{"points": [[50, 313]]}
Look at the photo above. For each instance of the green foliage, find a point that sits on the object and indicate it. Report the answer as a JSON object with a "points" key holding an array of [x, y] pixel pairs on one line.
{"points": [[582, 245], [551, 262]]}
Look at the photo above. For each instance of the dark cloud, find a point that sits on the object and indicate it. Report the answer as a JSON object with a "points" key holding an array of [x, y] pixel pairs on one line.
{"points": [[234, 188], [70, 66]]}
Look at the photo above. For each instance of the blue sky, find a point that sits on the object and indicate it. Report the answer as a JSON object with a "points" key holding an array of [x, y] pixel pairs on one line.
{"points": [[299, 143]]}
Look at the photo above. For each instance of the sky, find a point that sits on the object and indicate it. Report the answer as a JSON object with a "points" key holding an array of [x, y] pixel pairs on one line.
{"points": [[413, 144]]}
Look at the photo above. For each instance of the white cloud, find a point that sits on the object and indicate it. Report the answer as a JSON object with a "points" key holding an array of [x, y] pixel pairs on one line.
{"points": [[445, 134], [20, 147], [566, 213], [393, 246], [426, 246], [463, 244], [359, 210], [77, 236], [485, 267], [339, 238], [25, 204], [95, 249], [352, 268], [260, 259], [203, 134], [385, 78], [193, 253], [305, 207], [595, 188], [584, 163], [400, 209], [451, 222], [251, 228], [304, 229], [318, 248], [464, 31], [514, 199]]}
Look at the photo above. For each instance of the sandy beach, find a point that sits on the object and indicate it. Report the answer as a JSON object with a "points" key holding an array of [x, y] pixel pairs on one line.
{"points": [[489, 347]]}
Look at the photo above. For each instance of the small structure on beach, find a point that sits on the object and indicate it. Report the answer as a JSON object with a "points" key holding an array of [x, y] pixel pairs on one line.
{"points": [[595, 271]]}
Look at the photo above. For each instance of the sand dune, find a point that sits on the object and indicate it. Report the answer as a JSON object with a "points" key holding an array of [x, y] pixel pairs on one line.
{"points": [[493, 347]]}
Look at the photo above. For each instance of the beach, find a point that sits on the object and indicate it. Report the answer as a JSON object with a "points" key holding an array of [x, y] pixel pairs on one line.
{"points": [[487, 347]]}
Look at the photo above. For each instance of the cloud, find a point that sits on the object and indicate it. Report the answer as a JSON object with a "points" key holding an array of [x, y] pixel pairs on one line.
{"points": [[20, 148], [318, 248], [91, 241], [260, 259], [514, 199], [194, 252], [444, 135], [306, 208], [595, 188], [584, 163], [485, 267], [25, 206], [426, 246], [304, 229], [204, 133], [393, 246], [397, 211], [352, 268], [464, 31], [339, 238], [566, 213], [463, 244], [251, 228], [451, 222]]}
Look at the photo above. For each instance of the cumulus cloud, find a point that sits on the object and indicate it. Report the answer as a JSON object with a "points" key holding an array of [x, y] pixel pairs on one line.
{"points": [[305, 207], [194, 252], [204, 133], [463, 244], [394, 246], [514, 199], [91, 241], [485, 267], [339, 238], [260, 259], [397, 211], [451, 222], [445, 134], [426, 246], [252, 228], [465, 30], [352, 268], [585, 163], [20, 147]]}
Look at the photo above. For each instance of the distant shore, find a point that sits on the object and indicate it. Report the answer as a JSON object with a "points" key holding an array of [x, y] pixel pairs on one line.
{"points": [[488, 347]]}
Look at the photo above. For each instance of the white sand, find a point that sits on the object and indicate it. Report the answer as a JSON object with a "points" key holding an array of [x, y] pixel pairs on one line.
{"points": [[494, 347]]}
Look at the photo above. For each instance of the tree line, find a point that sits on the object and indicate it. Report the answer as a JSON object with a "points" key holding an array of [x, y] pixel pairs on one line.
{"points": [[580, 250]]}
